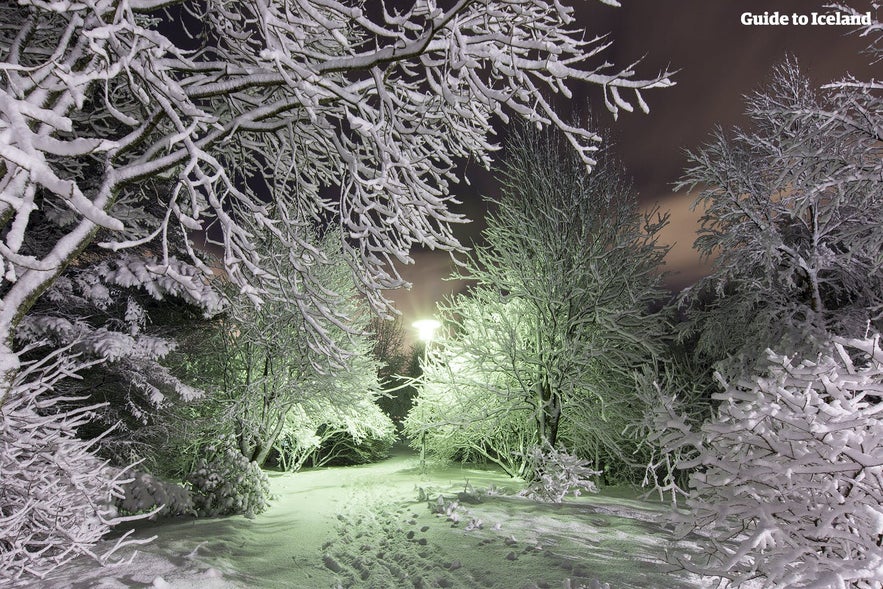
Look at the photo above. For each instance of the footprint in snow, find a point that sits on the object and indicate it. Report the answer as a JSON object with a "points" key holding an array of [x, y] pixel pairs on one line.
{"points": [[331, 564]]}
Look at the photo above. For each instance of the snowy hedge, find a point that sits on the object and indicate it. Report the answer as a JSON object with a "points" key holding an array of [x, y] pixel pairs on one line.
{"points": [[56, 496], [789, 484], [147, 493], [224, 482]]}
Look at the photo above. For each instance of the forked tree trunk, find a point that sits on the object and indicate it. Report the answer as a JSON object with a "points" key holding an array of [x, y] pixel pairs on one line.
{"points": [[265, 446], [548, 414]]}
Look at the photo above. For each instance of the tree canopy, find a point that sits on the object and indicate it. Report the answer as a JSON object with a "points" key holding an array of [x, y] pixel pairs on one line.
{"points": [[253, 111], [560, 320]]}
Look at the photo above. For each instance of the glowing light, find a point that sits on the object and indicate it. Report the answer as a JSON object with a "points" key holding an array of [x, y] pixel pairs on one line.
{"points": [[426, 328]]}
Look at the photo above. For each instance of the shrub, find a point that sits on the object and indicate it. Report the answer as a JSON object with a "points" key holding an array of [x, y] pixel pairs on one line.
{"points": [[340, 448], [56, 496], [334, 435], [224, 482], [298, 440], [790, 479], [556, 474], [147, 493]]}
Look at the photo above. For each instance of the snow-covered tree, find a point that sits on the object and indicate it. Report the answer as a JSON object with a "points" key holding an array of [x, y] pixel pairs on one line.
{"points": [[469, 405], [388, 336], [259, 365], [117, 310], [677, 400], [793, 210], [250, 110], [790, 478], [560, 321], [224, 482]]}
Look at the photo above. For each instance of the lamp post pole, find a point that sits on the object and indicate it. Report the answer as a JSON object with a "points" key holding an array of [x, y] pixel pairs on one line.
{"points": [[425, 332]]}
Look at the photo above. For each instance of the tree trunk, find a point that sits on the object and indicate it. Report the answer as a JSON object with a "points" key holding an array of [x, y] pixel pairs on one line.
{"points": [[267, 445], [244, 438], [548, 414]]}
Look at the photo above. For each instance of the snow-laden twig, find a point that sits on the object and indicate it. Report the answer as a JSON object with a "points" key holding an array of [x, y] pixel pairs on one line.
{"points": [[790, 477], [56, 496]]}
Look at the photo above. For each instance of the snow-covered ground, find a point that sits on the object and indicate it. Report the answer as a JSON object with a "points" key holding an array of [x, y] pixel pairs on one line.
{"points": [[370, 526]]}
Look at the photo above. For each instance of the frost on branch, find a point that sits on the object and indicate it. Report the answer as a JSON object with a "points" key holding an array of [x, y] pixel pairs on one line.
{"points": [[56, 496], [790, 485], [158, 120]]}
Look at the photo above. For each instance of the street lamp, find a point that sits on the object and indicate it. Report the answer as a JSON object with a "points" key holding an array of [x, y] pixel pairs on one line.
{"points": [[425, 332], [426, 329]]}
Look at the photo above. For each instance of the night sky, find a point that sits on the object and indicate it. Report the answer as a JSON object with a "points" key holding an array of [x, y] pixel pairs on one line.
{"points": [[719, 61]]}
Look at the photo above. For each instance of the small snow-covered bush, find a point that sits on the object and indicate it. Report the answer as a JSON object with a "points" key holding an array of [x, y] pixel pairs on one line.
{"points": [[56, 496], [676, 406], [790, 479], [449, 509], [557, 474], [146, 492], [225, 482]]}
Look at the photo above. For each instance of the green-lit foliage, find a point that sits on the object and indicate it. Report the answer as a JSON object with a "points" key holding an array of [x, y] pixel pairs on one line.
{"points": [[270, 390], [544, 349], [471, 406], [324, 432]]}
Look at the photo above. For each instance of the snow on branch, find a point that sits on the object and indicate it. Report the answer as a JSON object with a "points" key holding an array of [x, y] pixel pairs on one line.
{"points": [[56, 495], [251, 112], [791, 480]]}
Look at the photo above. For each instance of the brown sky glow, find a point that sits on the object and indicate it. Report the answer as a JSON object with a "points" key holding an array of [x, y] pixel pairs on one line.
{"points": [[720, 61]]}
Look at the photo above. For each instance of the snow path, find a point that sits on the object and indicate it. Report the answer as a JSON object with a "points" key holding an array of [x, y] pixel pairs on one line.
{"points": [[364, 526]]}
